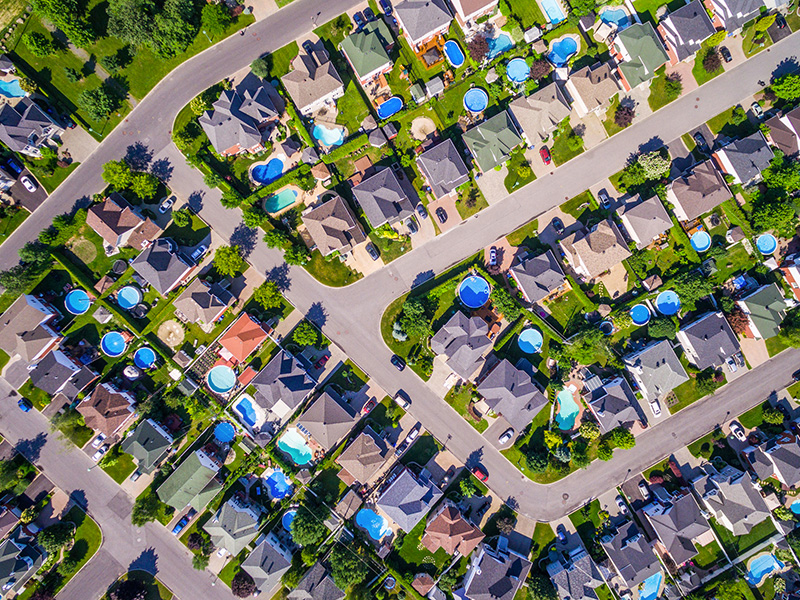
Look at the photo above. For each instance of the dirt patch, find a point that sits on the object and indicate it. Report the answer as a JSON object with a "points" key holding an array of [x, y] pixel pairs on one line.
{"points": [[10, 10], [84, 250], [422, 127], [171, 333]]}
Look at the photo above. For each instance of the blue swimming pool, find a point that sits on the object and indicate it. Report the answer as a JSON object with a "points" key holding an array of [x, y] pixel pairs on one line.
{"points": [[224, 432], [530, 341], [295, 445], [277, 202], [77, 302], [568, 410], [246, 411], [374, 524], [391, 106], [278, 485], [144, 358], [700, 241], [128, 297], [518, 70], [552, 8], [498, 45], [454, 54], [11, 89], [474, 291], [287, 519], [476, 100], [269, 172], [615, 16], [795, 507], [651, 587], [329, 136], [640, 314], [221, 379], [561, 51], [766, 243], [668, 303], [760, 567], [113, 344]]}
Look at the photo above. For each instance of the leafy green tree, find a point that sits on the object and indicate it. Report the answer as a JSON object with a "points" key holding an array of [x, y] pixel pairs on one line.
{"points": [[623, 438], [716, 39], [200, 104], [536, 460], [773, 416], [583, 7], [662, 327], [231, 199], [765, 22], [305, 334], [505, 303], [98, 102], [253, 216], [589, 430], [738, 116], [782, 177], [787, 87], [68, 16], [28, 85], [38, 43], [132, 21], [215, 19], [467, 487], [145, 185], [55, 537], [260, 68], [228, 261], [308, 528], [176, 26], [200, 561], [276, 238], [691, 287], [779, 216], [348, 569], [182, 218], [712, 61], [118, 174], [111, 63], [268, 295], [147, 508], [296, 254], [414, 319], [72, 75], [673, 86], [604, 451]]}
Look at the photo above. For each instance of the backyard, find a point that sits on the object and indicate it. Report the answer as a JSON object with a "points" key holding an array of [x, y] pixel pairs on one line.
{"points": [[737, 546]]}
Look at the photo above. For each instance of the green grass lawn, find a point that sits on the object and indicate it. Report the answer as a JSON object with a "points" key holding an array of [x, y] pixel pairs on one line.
{"points": [[331, 272], [514, 180], [659, 96], [775, 345], [528, 13], [349, 377], [280, 61], [352, 107], [88, 538], [582, 207], [687, 393], [527, 235], [470, 200], [724, 123], [560, 150], [424, 449], [794, 390], [701, 76], [121, 469], [460, 398], [543, 536], [609, 123], [586, 521], [748, 40], [154, 589], [390, 249], [191, 235], [708, 555], [567, 311], [754, 417], [12, 220], [737, 546], [51, 182], [335, 30]]}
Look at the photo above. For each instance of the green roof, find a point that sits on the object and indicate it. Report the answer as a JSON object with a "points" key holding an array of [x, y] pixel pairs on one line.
{"points": [[366, 49], [193, 483], [646, 51], [767, 309], [147, 445], [492, 141]]}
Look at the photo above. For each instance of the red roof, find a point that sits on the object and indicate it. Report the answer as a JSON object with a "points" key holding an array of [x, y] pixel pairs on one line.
{"points": [[243, 337], [247, 376]]}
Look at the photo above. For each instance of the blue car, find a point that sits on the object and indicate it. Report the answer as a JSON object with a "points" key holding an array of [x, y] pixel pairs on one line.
{"points": [[179, 526], [24, 405], [14, 165], [386, 6], [358, 19]]}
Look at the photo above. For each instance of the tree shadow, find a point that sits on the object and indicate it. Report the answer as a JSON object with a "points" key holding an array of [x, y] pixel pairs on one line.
{"points": [[244, 237], [162, 169], [280, 275], [31, 448], [78, 498], [195, 201], [422, 277], [474, 457], [651, 145], [147, 561], [787, 65], [138, 156], [317, 314]]}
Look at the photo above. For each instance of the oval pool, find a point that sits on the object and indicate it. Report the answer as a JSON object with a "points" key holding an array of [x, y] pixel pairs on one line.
{"points": [[77, 302], [766, 243], [668, 303], [128, 297], [113, 344], [221, 379], [518, 70], [474, 291], [640, 314], [530, 341], [392, 106], [454, 54], [476, 100], [700, 241], [144, 358]]}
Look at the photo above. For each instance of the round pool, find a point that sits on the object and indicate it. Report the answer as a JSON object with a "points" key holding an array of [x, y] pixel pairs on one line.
{"points": [[278, 485], [640, 314], [518, 70], [474, 291], [392, 106], [77, 302], [766, 243], [795, 507], [221, 379], [287, 518], [530, 341], [144, 358], [113, 344], [668, 303], [224, 432], [454, 54], [607, 327], [268, 172], [128, 297], [700, 241], [476, 100]]}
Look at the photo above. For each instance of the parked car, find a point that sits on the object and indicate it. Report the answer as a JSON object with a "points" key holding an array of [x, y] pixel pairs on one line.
{"points": [[412, 225], [492, 256], [780, 21], [558, 225], [643, 490], [423, 214], [701, 142], [198, 253], [757, 110], [368, 14], [402, 400], [726, 54], [166, 204], [739, 358], [136, 474], [738, 432], [14, 166], [731, 364], [412, 435], [386, 7], [504, 439], [372, 251], [29, 185], [796, 375], [358, 19], [180, 525], [24, 405], [480, 473], [398, 362], [561, 532], [96, 443], [655, 407], [545, 154], [623, 508], [367, 408], [441, 215], [449, 475], [605, 201], [69, 122], [99, 454], [322, 361]]}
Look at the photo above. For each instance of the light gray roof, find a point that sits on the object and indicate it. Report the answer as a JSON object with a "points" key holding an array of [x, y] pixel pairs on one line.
{"points": [[57, 373], [512, 393], [233, 526], [148, 444], [578, 580], [24, 124], [631, 554], [26, 329], [538, 276], [328, 420], [317, 584], [597, 249], [711, 339], [203, 303], [615, 405], [333, 227], [778, 456], [657, 369], [267, 563], [383, 199], [419, 18], [686, 28], [539, 114], [443, 167], [699, 191], [309, 81], [735, 13], [284, 380], [731, 493], [364, 456], [748, 156], [678, 523], [160, 266], [407, 500], [496, 575], [232, 125], [646, 219], [463, 340]]}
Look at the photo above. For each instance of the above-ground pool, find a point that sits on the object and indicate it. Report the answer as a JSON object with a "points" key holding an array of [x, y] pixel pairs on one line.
{"points": [[246, 411], [453, 52], [668, 303], [618, 17], [518, 70], [295, 445], [277, 202], [761, 566], [278, 485], [77, 302], [700, 241], [11, 89], [498, 45], [640, 314], [144, 358], [392, 106], [128, 297], [568, 410], [374, 524], [474, 291], [651, 587], [113, 344], [287, 518], [530, 341], [561, 51], [555, 14], [268, 172], [476, 100], [795, 507], [221, 379], [766, 243], [329, 136], [224, 432]]}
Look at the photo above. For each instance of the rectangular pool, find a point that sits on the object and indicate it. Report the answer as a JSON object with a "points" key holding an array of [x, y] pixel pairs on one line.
{"points": [[553, 11]]}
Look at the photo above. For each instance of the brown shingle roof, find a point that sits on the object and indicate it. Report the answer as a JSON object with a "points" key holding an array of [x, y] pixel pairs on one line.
{"points": [[112, 218], [24, 330], [599, 249], [364, 456], [449, 530], [333, 227], [106, 409]]}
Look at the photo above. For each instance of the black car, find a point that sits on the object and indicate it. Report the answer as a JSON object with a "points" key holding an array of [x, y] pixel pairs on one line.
{"points": [[558, 225], [398, 362], [700, 140], [780, 21], [441, 215], [726, 54], [372, 251], [423, 214], [386, 6], [796, 375], [368, 14]]}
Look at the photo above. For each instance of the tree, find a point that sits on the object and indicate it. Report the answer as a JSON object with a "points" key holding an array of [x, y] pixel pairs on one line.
{"points": [[28, 85], [132, 21], [260, 68], [691, 287], [231, 199], [276, 238], [305, 334], [129, 589], [228, 261], [467, 487], [779, 584], [43, 593], [68, 16], [790, 329], [589, 430], [662, 327], [253, 216], [624, 115], [242, 585], [738, 116], [712, 61], [655, 164], [145, 185], [583, 7], [540, 68], [540, 587], [296, 254], [175, 27], [146, 508], [536, 460], [413, 319], [97, 102], [604, 451], [347, 568], [737, 320], [182, 218], [504, 303], [779, 216], [200, 104], [55, 537], [673, 86], [200, 561], [29, 514], [765, 23], [268, 295], [552, 439], [72, 75], [787, 87], [622, 438], [215, 19], [118, 174], [308, 528], [773, 416], [716, 39], [38, 43], [505, 525], [478, 47], [111, 63], [195, 542]]}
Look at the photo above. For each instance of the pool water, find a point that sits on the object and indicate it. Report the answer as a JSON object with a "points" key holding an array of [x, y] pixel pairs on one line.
{"points": [[474, 291], [700, 241], [11, 89], [391, 106], [498, 45], [618, 17], [144, 358], [476, 100], [113, 344], [568, 410], [530, 341], [278, 485], [561, 51], [766, 243], [246, 411], [640, 314], [221, 379], [287, 519], [293, 444], [761, 566], [651, 586], [77, 302], [668, 303], [454, 54], [277, 202], [375, 525], [518, 70], [269, 172], [553, 11], [795, 507], [128, 297], [329, 136], [224, 432]]}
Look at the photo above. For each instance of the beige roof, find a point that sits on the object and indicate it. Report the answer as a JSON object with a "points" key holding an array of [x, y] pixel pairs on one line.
{"points": [[468, 7], [364, 456], [700, 191], [540, 113], [594, 86], [201, 303], [309, 82], [333, 227], [597, 250], [23, 329], [106, 409]]}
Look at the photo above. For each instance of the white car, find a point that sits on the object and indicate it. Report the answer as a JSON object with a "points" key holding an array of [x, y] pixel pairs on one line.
{"points": [[198, 253], [643, 490], [738, 432], [166, 204], [506, 436], [99, 454], [98, 440], [29, 185], [731, 364], [623, 508], [655, 407], [402, 401]]}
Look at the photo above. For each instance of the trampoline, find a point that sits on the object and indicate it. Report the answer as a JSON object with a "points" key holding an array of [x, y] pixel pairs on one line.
{"points": [[530, 341], [668, 303], [700, 241], [128, 297], [640, 314], [77, 302], [392, 106], [221, 379], [766, 243], [476, 100], [607, 327], [518, 70], [113, 344], [474, 291], [224, 433], [144, 358], [454, 54]]}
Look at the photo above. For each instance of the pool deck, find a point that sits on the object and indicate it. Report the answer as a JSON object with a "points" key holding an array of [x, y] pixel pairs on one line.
{"points": [[301, 197], [577, 385]]}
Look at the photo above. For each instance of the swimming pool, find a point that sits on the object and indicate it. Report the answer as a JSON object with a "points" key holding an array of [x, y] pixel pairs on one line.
{"points": [[651, 587], [266, 173], [128, 297], [618, 17], [700, 241], [287, 519], [498, 45], [278, 485], [391, 106], [375, 525], [11, 89], [562, 50], [795, 507], [568, 410], [277, 202], [221, 379], [474, 291], [668, 303], [329, 136], [518, 70], [245, 409], [144, 358], [530, 341], [224, 432], [476, 100], [113, 344], [760, 567], [766, 243], [553, 10], [640, 314], [295, 445], [454, 54], [77, 302]]}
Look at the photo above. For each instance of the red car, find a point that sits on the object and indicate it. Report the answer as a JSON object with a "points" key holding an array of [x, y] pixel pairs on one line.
{"points": [[480, 473], [368, 407], [322, 362], [545, 154]]}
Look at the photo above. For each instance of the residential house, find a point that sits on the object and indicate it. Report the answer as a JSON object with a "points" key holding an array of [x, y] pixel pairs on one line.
{"points": [[708, 341], [790, 268], [576, 576], [108, 410], [7, 179], [313, 83], [462, 341], [148, 444], [784, 132], [511, 393], [328, 420], [644, 220], [236, 123], [20, 559], [591, 253], [732, 497], [162, 266], [234, 525], [540, 114], [731, 15], [778, 458], [363, 458], [316, 584], [280, 388], [120, 224], [592, 88], [615, 405], [193, 483], [27, 329], [679, 525], [469, 11], [367, 50], [422, 21], [656, 369], [495, 573], [639, 52], [449, 530], [490, 143], [267, 564], [333, 227], [7, 65], [242, 339], [697, 192], [631, 555], [203, 303], [765, 309], [383, 199], [684, 30], [408, 499], [25, 128], [744, 159], [59, 373], [443, 169], [539, 277]]}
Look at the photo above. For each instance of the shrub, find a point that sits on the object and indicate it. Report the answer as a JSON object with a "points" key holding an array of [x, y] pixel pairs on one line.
{"points": [[624, 115], [242, 585], [589, 430], [540, 68], [39, 44], [773, 416], [712, 61], [478, 47], [604, 451]]}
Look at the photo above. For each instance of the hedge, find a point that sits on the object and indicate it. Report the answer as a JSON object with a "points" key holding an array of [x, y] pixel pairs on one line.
{"points": [[301, 170], [351, 147], [298, 122]]}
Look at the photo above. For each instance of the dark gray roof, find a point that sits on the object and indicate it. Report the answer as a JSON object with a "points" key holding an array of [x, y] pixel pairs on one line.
{"points": [[538, 276], [383, 199], [748, 156], [779, 456], [512, 393], [148, 444], [317, 584], [19, 560], [496, 575], [646, 219], [24, 124], [631, 554], [407, 500], [615, 405], [161, 266], [282, 380], [6, 64], [418, 18], [58, 373], [578, 579], [710, 341], [267, 563], [234, 120], [735, 13], [677, 523], [733, 498], [686, 28], [656, 369], [463, 340], [333, 226], [443, 167], [328, 420], [233, 526]]}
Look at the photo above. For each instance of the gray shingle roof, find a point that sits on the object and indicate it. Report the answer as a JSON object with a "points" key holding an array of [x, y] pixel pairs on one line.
{"points": [[317, 584], [266, 564], [779, 456], [328, 420], [19, 560], [232, 125], [512, 393], [333, 227], [657, 369], [646, 220], [538, 276], [419, 18], [407, 500], [539, 114], [784, 131], [597, 250], [383, 199], [747, 156], [25, 328], [578, 580], [233, 526], [24, 124], [463, 340], [57, 373], [282, 380], [443, 167], [148, 444], [678, 523], [203, 303], [631, 554], [161, 266], [733, 498], [686, 28], [735, 13], [615, 405], [364, 456], [495, 575], [698, 192], [710, 341]]}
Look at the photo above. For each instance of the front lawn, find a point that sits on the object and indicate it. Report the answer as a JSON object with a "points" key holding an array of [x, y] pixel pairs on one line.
{"points": [[689, 392], [660, 95], [609, 123], [726, 124], [331, 271], [647, 9], [582, 207], [754, 417], [749, 44], [519, 171], [424, 449], [701, 76], [737, 546], [542, 537], [775, 345], [470, 200], [586, 521], [460, 397], [390, 249], [195, 232], [563, 147], [120, 467], [527, 235], [714, 445], [349, 377]]}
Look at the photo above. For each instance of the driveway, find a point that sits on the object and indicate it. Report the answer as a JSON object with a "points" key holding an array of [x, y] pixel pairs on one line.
{"points": [[548, 235], [360, 260], [78, 143], [684, 71], [30, 200], [426, 231], [448, 204], [492, 185], [590, 128], [755, 351], [682, 158], [505, 254]]}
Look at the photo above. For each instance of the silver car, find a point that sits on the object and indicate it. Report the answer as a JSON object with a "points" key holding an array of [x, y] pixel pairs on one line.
{"points": [[506, 437]]}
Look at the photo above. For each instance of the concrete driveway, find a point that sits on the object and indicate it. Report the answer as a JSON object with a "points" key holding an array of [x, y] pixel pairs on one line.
{"points": [[492, 184], [684, 71], [359, 260], [590, 128], [426, 231], [448, 204], [548, 235], [78, 143], [505, 254], [755, 351], [682, 158]]}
